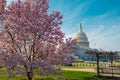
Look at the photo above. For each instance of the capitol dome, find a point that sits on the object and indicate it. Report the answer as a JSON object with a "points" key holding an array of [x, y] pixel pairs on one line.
{"points": [[82, 40]]}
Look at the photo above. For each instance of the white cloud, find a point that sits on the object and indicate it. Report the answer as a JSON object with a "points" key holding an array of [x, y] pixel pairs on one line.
{"points": [[105, 39], [70, 35]]}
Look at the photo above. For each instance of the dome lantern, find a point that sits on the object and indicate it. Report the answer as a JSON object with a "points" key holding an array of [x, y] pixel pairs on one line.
{"points": [[80, 30]]}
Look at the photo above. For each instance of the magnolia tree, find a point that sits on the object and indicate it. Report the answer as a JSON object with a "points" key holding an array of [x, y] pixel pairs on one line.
{"points": [[31, 39]]}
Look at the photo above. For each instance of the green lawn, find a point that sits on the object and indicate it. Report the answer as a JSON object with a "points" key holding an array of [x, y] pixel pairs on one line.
{"points": [[78, 75], [66, 75]]}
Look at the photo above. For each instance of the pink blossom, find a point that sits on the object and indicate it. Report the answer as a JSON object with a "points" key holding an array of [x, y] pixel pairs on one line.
{"points": [[32, 39]]}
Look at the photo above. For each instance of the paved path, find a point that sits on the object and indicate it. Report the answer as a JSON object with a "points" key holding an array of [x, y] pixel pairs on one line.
{"points": [[77, 69]]}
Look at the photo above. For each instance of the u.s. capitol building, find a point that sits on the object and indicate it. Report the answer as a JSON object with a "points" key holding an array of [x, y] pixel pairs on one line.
{"points": [[82, 46]]}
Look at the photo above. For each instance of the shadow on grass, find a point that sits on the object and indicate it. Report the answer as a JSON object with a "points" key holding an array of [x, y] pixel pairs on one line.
{"points": [[93, 78], [110, 77], [44, 79], [41, 79], [101, 78]]}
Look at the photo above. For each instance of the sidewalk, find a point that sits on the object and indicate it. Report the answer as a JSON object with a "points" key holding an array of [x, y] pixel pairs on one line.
{"points": [[83, 69]]}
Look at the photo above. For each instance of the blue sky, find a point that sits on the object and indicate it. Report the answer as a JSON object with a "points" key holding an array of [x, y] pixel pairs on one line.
{"points": [[100, 20]]}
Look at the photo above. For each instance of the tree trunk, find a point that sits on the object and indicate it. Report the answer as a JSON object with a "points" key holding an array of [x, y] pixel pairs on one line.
{"points": [[30, 75]]}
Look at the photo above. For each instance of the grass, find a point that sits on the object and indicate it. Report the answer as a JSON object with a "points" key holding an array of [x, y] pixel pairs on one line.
{"points": [[79, 75], [66, 75]]}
